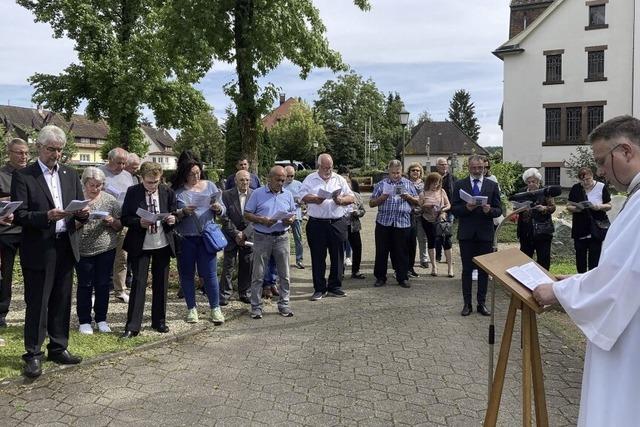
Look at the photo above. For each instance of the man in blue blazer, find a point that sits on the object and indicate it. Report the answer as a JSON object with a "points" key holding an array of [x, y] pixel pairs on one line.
{"points": [[475, 228]]}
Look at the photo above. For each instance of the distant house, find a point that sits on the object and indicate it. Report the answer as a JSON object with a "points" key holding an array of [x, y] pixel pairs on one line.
{"points": [[568, 66], [89, 135], [160, 147], [281, 111], [430, 140]]}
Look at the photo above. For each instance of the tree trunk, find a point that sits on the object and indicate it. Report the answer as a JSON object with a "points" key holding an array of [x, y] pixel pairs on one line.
{"points": [[247, 87]]}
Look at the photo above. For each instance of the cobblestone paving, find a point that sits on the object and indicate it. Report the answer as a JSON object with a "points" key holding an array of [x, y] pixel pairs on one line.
{"points": [[381, 356]]}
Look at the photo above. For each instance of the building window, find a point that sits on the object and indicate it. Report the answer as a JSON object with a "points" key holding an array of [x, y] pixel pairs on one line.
{"points": [[574, 124], [85, 157], [595, 65], [571, 123], [153, 159], [551, 176], [553, 125], [595, 116], [85, 141], [554, 69], [596, 17]]}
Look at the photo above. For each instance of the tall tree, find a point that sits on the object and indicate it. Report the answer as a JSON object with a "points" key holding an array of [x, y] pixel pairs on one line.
{"points": [[343, 107], [123, 64], [204, 137], [462, 112], [425, 116], [256, 36], [298, 136]]}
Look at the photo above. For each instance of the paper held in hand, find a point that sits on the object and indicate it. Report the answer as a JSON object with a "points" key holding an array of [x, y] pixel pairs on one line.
{"points": [[151, 217], [280, 215], [329, 194], [7, 208], [199, 200], [115, 192], [529, 274], [474, 200], [580, 205], [76, 205], [98, 215]]}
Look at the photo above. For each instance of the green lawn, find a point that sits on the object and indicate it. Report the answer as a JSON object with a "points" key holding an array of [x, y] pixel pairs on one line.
{"points": [[87, 346]]}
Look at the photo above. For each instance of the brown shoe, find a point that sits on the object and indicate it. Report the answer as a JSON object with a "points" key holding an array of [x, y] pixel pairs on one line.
{"points": [[274, 291], [266, 293]]}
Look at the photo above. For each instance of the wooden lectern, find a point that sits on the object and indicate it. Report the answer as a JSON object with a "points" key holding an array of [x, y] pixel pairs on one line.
{"points": [[496, 264]]}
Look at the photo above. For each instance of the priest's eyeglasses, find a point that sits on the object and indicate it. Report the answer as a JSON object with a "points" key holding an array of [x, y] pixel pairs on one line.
{"points": [[600, 161]]}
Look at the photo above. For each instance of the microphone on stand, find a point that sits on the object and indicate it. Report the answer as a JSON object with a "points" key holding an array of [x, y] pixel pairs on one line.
{"points": [[532, 196]]}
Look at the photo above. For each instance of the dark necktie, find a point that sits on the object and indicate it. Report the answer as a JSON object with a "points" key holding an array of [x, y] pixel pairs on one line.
{"points": [[475, 191], [151, 207]]}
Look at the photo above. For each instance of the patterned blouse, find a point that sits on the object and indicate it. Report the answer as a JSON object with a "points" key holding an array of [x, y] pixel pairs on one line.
{"points": [[95, 236]]}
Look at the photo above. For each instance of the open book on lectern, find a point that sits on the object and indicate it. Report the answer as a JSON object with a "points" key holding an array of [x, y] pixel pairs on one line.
{"points": [[529, 274]]}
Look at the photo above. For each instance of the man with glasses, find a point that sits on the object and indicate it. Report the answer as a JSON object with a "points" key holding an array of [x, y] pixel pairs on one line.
{"points": [[605, 302], [293, 185], [327, 226], [272, 211], [10, 235], [475, 228], [49, 248]]}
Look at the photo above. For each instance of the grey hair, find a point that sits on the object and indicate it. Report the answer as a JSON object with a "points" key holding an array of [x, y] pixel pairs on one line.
{"points": [[132, 158], [17, 141], [51, 133], [476, 158], [92, 172], [394, 164], [324, 156], [531, 172], [441, 159], [117, 152]]}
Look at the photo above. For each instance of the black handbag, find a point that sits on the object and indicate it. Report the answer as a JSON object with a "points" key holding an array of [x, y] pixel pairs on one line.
{"points": [[543, 228], [443, 228], [599, 228]]}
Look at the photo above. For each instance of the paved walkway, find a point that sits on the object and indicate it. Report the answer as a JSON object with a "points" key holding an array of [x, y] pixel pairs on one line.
{"points": [[381, 356]]}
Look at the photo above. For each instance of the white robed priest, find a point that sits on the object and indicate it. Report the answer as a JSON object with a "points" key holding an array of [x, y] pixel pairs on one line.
{"points": [[605, 302]]}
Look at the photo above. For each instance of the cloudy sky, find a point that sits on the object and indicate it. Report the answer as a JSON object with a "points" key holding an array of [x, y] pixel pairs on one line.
{"points": [[422, 49]]}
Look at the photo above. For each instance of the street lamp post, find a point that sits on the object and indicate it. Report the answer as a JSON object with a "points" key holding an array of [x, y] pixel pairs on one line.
{"points": [[403, 116]]}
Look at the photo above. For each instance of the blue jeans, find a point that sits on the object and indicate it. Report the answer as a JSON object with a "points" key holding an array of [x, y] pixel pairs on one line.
{"points": [[94, 274], [270, 274], [194, 253], [347, 249], [296, 227]]}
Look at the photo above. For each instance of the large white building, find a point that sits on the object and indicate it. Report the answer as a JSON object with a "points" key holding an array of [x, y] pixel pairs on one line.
{"points": [[568, 66]]}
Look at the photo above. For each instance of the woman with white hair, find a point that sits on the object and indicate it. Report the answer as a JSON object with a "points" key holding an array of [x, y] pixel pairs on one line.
{"points": [[98, 241], [535, 226]]}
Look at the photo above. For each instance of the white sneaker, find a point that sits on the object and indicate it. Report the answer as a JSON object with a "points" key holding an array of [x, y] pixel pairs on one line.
{"points": [[123, 296], [86, 329], [104, 327], [347, 262], [474, 275]]}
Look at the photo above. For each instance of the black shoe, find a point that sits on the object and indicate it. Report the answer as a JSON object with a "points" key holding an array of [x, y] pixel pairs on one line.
{"points": [[424, 264], [299, 265], [223, 302], [162, 328], [482, 309], [466, 310], [180, 294], [404, 284], [64, 358], [245, 299], [3, 322], [32, 368], [358, 276], [379, 283], [413, 273], [128, 335], [336, 293]]}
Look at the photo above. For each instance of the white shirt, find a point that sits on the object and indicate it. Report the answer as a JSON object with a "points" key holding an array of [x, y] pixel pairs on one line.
{"points": [[53, 182], [158, 239], [243, 201], [605, 304], [327, 209], [595, 194]]}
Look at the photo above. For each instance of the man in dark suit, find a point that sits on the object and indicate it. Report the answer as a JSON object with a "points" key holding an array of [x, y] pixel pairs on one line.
{"points": [[49, 248], [475, 228], [235, 228]]}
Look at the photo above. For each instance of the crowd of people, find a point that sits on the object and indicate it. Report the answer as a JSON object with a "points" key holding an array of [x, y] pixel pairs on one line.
{"points": [[131, 222]]}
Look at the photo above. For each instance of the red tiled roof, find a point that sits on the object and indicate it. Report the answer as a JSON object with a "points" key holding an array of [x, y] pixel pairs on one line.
{"points": [[279, 113]]}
